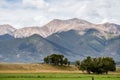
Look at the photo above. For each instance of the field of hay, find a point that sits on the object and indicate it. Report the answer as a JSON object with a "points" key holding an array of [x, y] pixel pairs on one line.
{"points": [[35, 68], [49, 72]]}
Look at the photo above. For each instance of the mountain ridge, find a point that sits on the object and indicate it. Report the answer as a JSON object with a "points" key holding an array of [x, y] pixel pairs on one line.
{"points": [[58, 25], [74, 38], [6, 29]]}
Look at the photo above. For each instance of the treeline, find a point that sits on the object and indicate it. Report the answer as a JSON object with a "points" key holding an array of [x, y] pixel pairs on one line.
{"points": [[98, 65], [56, 59]]}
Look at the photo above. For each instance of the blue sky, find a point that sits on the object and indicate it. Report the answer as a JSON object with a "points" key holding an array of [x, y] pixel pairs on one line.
{"points": [[25, 13]]}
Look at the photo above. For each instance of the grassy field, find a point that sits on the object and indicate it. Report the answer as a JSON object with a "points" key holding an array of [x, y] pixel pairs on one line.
{"points": [[58, 76], [49, 72]]}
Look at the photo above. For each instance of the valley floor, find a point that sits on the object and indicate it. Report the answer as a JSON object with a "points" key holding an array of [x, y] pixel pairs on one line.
{"points": [[48, 72], [57, 76]]}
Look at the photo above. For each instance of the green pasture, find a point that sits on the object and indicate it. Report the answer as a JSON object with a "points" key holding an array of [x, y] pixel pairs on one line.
{"points": [[57, 76]]}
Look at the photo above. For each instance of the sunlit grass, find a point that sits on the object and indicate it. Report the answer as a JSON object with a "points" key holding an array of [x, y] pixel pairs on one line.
{"points": [[58, 76]]}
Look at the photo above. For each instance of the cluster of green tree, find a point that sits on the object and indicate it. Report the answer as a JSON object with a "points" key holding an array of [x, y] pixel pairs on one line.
{"points": [[97, 65], [56, 59]]}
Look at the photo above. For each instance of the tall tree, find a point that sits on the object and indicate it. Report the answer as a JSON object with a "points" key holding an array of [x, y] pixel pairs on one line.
{"points": [[98, 65], [109, 64], [56, 59]]}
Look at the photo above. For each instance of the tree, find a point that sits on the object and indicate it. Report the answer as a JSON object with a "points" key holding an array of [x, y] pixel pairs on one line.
{"points": [[46, 60], [65, 61], [77, 64], [61, 59], [108, 64], [98, 65], [56, 59], [86, 64], [68, 63]]}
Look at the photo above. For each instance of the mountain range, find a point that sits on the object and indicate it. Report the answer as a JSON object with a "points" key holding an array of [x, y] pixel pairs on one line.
{"points": [[74, 38]]}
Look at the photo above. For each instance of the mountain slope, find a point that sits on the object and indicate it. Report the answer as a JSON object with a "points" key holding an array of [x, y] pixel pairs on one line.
{"points": [[88, 44], [30, 49], [26, 32], [6, 37]]}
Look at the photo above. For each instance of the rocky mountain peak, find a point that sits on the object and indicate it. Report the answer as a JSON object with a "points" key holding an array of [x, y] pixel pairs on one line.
{"points": [[6, 29], [26, 32], [112, 28], [58, 25], [79, 21], [107, 24]]}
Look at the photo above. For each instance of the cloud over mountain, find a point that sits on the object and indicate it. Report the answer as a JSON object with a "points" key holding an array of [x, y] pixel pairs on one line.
{"points": [[21, 13]]}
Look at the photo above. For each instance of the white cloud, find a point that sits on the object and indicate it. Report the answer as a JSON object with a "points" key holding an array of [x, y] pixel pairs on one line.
{"points": [[41, 19], [109, 20], [1, 56], [35, 3], [40, 12], [18, 55]]}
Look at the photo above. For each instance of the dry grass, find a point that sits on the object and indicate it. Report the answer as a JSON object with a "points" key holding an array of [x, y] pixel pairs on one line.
{"points": [[40, 68], [35, 68], [118, 69]]}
